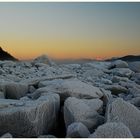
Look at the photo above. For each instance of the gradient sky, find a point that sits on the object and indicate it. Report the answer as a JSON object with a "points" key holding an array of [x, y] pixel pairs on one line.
{"points": [[70, 30]]}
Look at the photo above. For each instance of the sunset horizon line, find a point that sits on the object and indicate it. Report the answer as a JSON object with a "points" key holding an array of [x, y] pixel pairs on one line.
{"points": [[21, 58]]}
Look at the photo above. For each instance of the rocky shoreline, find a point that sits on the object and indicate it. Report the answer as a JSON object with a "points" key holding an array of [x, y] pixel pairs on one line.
{"points": [[41, 99]]}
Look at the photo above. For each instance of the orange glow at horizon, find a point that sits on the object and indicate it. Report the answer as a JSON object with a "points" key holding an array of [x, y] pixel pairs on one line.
{"points": [[66, 49]]}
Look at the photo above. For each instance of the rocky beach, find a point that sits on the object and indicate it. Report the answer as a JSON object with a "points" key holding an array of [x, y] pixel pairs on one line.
{"points": [[43, 99]]}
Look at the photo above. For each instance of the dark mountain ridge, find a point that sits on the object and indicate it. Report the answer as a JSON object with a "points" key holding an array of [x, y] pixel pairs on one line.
{"points": [[6, 56], [129, 58]]}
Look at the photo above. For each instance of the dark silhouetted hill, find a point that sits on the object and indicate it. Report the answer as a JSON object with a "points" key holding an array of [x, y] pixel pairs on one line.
{"points": [[129, 58], [6, 56]]}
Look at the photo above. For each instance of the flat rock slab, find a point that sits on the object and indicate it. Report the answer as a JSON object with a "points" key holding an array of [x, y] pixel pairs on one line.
{"points": [[72, 88], [122, 111], [29, 118]]}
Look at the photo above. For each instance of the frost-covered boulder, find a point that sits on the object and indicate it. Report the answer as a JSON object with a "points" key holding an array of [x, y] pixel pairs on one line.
{"points": [[92, 73], [16, 90], [134, 91], [95, 104], [31, 89], [29, 118], [129, 85], [136, 77], [2, 71], [135, 101], [75, 110], [72, 88], [44, 59], [122, 111], [135, 66], [7, 135], [25, 98], [77, 130], [123, 72], [106, 81], [112, 130], [117, 79], [8, 63], [119, 64], [116, 89]]}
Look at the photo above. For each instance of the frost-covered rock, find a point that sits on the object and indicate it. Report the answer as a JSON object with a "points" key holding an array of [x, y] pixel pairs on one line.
{"points": [[77, 130], [107, 96], [8, 63], [44, 59], [72, 88], [16, 90], [75, 110], [93, 73], [123, 72], [25, 98], [31, 89], [119, 64], [29, 118], [135, 101], [129, 85], [106, 81], [117, 79], [116, 89], [122, 111], [7, 135], [112, 130], [136, 77], [95, 104], [135, 66], [2, 71], [134, 91]]}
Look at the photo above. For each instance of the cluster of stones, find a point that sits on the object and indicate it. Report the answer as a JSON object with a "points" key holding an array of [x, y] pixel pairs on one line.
{"points": [[47, 100]]}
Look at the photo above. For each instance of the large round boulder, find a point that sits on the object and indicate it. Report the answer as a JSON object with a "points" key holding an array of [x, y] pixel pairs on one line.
{"points": [[76, 110], [77, 130]]}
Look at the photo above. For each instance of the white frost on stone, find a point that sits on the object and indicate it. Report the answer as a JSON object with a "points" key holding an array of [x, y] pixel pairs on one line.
{"points": [[112, 130], [75, 110], [122, 111], [77, 130], [29, 118]]}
